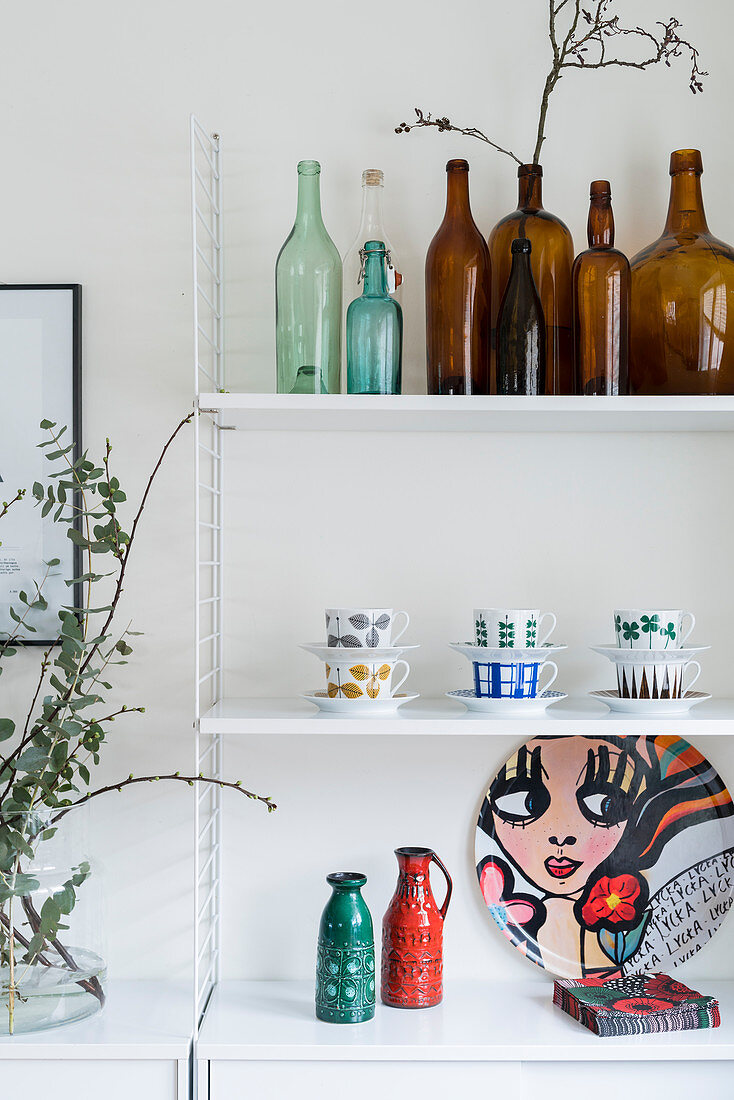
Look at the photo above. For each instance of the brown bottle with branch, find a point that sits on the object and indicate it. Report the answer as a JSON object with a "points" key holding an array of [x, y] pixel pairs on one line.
{"points": [[601, 303], [682, 324], [458, 282], [551, 262]]}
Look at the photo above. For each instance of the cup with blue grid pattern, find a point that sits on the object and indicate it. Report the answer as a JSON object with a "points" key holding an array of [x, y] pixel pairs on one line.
{"points": [[512, 679]]}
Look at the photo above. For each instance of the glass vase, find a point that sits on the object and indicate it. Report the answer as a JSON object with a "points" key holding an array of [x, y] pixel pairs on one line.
{"points": [[51, 971]]}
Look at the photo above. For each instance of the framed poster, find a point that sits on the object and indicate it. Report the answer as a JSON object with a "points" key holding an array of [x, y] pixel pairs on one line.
{"points": [[40, 379]]}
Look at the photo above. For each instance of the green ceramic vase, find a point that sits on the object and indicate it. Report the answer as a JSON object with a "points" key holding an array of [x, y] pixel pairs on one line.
{"points": [[345, 967]]}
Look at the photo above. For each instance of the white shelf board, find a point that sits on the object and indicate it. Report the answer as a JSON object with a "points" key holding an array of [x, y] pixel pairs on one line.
{"points": [[141, 1020], [270, 717], [349, 412], [478, 1021]]}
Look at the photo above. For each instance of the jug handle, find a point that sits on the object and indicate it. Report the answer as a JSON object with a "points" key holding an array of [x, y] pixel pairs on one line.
{"points": [[449, 886]]}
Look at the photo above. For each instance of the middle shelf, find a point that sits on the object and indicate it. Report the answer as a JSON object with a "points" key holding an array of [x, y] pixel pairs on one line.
{"points": [[441, 717]]}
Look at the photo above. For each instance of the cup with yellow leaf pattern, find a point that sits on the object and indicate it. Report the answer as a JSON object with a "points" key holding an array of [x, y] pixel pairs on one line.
{"points": [[363, 680]]}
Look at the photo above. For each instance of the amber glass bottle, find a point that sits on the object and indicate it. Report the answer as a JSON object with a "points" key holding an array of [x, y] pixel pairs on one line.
{"points": [[521, 351], [552, 260], [682, 324], [458, 281], [601, 303]]}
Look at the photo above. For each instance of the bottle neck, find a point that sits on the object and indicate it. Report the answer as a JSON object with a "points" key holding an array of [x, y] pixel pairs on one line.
{"points": [[375, 276], [371, 222], [600, 226], [521, 269], [685, 211], [308, 212], [457, 195], [530, 191]]}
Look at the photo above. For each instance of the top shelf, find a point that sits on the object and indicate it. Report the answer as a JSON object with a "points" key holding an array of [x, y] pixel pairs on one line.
{"points": [[420, 413]]}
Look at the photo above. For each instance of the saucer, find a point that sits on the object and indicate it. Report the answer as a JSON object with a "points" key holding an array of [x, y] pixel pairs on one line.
{"points": [[649, 706], [506, 708], [648, 656], [332, 654], [357, 707], [487, 655]]}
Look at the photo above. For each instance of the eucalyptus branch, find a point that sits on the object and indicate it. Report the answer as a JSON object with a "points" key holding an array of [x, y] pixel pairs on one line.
{"points": [[175, 777]]}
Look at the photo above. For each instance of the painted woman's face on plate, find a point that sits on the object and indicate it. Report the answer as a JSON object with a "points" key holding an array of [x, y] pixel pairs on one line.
{"points": [[560, 808]]}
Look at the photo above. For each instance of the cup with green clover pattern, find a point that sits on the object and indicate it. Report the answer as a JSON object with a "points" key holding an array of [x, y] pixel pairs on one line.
{"points": [[652, 628]]}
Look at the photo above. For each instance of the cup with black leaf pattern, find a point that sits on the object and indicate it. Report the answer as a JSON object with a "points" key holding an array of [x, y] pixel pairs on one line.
{"points": [[511, 628], [652, 627], [364, 627]]}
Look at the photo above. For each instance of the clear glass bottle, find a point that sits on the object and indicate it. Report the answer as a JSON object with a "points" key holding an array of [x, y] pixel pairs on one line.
{"points": [[371, 228], [458, 282], [374, 329], [308, 297], [682, 321], [521, 351], [552, 260], [601, 303]]}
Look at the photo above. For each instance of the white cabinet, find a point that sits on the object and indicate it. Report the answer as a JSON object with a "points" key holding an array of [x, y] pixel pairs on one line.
{"points": [[138, 1046]]}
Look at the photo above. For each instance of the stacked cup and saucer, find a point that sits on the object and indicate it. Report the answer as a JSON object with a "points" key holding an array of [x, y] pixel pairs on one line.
{"points": [[510, 662], [652, 661], [362, 662]]}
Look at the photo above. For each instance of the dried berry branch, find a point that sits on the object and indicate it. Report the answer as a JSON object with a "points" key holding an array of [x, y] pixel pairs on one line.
{"points": [[586, 44], [443, 124]]}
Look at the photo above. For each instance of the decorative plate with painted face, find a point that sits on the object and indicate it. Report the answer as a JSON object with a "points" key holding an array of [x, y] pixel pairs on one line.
{"points": [[607, 855]]}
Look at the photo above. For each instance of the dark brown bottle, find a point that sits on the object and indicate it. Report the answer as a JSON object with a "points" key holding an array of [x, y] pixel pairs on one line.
{"points": [[682, 321], [601, 303], [521, 350], [552, 260], [458, 282]]}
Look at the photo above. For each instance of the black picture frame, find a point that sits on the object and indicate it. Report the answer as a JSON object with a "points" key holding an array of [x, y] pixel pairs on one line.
{"points": [[60, 338]]}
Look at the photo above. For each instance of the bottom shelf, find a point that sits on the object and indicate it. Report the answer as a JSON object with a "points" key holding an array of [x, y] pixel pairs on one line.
{"points": [[478, 1022]]}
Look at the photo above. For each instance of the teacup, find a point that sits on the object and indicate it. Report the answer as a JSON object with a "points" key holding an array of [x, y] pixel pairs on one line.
{"points": [[505, 628], [363, 627], [652, 628], [514, 680], [363, 681], [656, 680]]}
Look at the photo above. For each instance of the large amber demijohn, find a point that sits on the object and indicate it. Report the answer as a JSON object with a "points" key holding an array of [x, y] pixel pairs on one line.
{"points": [[682, 322], [551, 260]]}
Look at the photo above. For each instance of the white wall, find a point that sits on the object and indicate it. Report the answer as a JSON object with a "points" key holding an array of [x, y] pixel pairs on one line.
{"points": [[94, 106]]}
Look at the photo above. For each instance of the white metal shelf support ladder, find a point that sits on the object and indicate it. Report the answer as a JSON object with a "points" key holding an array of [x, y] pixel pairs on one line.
{"points": [[206, 216]]}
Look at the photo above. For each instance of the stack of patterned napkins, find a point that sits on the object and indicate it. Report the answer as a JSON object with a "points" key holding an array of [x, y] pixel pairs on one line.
{"points": [[636, 1005]]}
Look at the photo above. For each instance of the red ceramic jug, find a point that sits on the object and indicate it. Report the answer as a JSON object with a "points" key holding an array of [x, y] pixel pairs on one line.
{"points": [[412, 934]]}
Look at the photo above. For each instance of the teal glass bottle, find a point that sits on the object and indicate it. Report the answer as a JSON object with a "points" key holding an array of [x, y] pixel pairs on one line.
{"points": [[308, 297], [374, 329], [345, 967]]}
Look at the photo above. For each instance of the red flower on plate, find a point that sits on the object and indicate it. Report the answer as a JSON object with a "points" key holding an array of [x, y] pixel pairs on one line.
{"points": [[660, 985], [641, 1006], [611, 901]]}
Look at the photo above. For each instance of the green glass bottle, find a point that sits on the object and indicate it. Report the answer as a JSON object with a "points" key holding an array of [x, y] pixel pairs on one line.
{"points": [[374, 329], [308, 296], [345, 967]]}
